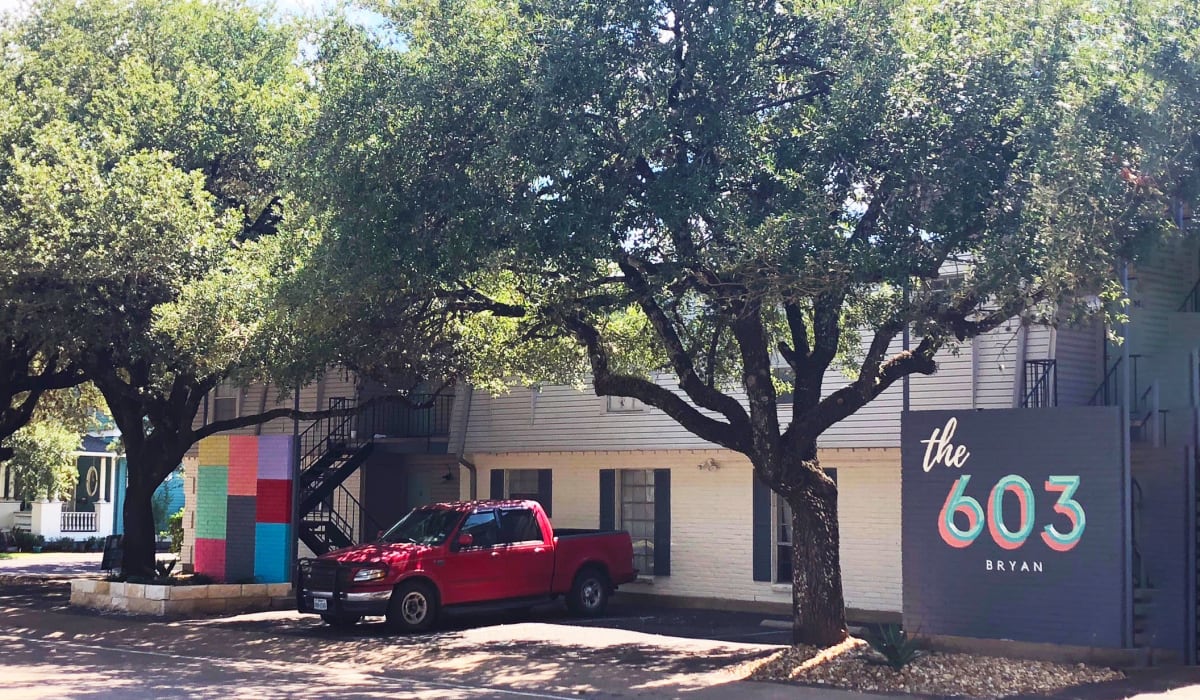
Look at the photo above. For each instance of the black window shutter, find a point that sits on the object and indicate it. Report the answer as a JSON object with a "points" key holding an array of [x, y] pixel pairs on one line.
{"points": [[761, 528], [608, 499], [662, 522], [545, 489], [497, 484]]}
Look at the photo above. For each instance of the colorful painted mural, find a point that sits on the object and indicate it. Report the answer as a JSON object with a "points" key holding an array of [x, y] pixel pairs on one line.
{"points": [[244, 507]]}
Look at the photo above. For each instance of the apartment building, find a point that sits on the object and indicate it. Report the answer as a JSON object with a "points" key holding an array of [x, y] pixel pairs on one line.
{"points": [[707, 533]]}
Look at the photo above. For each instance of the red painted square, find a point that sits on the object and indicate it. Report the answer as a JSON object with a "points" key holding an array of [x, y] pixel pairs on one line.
{"points": [[274, 501], [243, 465], [210, 558]]}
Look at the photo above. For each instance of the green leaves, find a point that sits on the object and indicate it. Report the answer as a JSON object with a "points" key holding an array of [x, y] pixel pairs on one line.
{"points": [[43, 460]]}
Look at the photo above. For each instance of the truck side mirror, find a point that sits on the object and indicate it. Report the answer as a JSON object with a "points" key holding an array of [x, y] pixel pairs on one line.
{"points": [[466, 540]]}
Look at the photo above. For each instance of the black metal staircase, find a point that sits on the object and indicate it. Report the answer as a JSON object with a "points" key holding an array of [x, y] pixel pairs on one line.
{"points": [[332, 449]]}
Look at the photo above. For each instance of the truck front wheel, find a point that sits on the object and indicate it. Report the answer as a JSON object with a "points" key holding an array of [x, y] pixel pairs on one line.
{"points": [[412, 608], [589, 593]]}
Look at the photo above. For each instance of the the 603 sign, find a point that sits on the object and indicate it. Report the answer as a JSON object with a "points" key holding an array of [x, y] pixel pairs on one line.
{"points": [[958, 502]]}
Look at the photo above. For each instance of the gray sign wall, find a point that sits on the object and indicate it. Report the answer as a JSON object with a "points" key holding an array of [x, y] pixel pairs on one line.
{"points": [[1012, 524]]}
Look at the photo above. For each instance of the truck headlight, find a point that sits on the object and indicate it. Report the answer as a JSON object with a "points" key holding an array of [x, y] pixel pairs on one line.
{"points": [[369, 574]]}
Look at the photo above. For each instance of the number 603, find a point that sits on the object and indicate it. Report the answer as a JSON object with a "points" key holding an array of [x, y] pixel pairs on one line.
{"points": [[958, 502]]}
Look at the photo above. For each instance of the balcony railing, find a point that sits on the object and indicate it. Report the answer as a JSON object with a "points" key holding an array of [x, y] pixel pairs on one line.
{"points": [[78, 522], [1041, 384]]}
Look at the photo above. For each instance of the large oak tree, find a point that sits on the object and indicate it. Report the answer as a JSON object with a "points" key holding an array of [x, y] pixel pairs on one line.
{"points": [[724, 189], [143, 144]]}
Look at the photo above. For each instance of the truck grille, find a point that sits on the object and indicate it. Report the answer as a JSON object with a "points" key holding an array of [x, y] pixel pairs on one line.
{"points": [[321, 575]]}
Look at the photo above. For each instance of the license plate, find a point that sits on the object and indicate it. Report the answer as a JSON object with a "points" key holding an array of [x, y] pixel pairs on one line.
{"points": [[320, 604]]}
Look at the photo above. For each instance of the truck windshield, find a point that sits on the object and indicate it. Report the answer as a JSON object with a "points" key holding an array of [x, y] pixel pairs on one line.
{"points": [[430, 527]]}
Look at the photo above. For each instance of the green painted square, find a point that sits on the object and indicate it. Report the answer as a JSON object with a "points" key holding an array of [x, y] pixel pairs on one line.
{"points": [[212, 501]]}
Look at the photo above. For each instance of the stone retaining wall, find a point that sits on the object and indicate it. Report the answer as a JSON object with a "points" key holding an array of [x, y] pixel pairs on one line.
{"points": [[181, 601]]}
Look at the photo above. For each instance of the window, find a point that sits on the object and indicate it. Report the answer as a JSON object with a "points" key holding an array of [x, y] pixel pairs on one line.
{"points": [[424, 526], [636, 515], [623, 404], [523, 484], [519, 525], [783, 541], [225, 402], [483, 528], [783, 535]]}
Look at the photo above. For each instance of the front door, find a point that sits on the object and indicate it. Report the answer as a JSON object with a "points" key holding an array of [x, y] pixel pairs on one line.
{"points": [[419, 488]]}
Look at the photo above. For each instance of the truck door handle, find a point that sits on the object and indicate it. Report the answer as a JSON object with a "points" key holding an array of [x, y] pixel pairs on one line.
{"points": [[539, 550], [495, 554]]}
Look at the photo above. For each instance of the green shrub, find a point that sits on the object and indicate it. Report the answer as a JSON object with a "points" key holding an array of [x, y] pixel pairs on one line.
{"points": [[175, 531], [24, 540], [894, 645]]}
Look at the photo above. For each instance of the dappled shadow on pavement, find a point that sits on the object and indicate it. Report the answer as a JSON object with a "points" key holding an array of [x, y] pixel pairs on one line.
{"points": [[501, 652]]}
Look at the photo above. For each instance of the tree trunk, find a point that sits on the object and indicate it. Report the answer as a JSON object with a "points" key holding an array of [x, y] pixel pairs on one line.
{"points": [[147, 469], [137, 559], [818, 606]]}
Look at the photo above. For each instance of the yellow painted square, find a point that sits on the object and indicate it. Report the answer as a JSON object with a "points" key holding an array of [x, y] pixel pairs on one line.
{"points": [[214, 451]]}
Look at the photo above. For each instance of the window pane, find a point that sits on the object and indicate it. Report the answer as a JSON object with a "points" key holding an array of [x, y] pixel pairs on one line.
{"points": [[637, 515], [783, 540], [522, 483], [224, 408], [519, 525], [482, 526]]}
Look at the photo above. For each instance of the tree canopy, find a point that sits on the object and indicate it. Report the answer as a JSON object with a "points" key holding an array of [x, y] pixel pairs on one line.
{"points": [[600, 190], [143, 147]]}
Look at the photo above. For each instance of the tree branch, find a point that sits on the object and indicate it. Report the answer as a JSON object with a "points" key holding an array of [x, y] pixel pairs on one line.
{"points": [[705, 395], [606, 383], [276, 413]]}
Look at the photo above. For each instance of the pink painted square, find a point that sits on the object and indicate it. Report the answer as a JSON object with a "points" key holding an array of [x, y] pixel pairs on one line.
{"points": [[210, 558]]}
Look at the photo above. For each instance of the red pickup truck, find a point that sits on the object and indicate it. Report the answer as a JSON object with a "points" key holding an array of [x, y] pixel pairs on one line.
{"points": [[458, 554]]}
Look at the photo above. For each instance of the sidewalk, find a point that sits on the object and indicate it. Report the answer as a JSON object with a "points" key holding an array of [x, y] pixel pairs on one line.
{"points": [[51, 565], [55, 565]]}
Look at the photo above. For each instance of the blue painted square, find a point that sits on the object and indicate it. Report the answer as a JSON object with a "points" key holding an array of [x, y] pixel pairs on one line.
{"points": [[271, 552]]}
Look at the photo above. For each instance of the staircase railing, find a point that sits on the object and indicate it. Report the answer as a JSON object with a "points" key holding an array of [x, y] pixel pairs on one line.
{"points": [[1191, 302], [1148, 417], [1141, 575], [1109, 391], [336, 446], [1041, 384], [418, 415]]}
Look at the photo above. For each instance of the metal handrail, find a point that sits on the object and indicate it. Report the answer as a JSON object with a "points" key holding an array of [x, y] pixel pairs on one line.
{"points": [[1191, 302], [417, 415], [1044, 390], [1135, 528], [1104, 386]]}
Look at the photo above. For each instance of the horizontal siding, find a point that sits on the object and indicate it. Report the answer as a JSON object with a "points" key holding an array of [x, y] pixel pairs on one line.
{"points": [[1079, 362], [563, 418], [949, 387], [997, 357], [1158, 286], [313, 396]]}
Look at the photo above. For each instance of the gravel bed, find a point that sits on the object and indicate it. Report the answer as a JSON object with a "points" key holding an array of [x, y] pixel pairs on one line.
{"points": [[847, 665]]}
